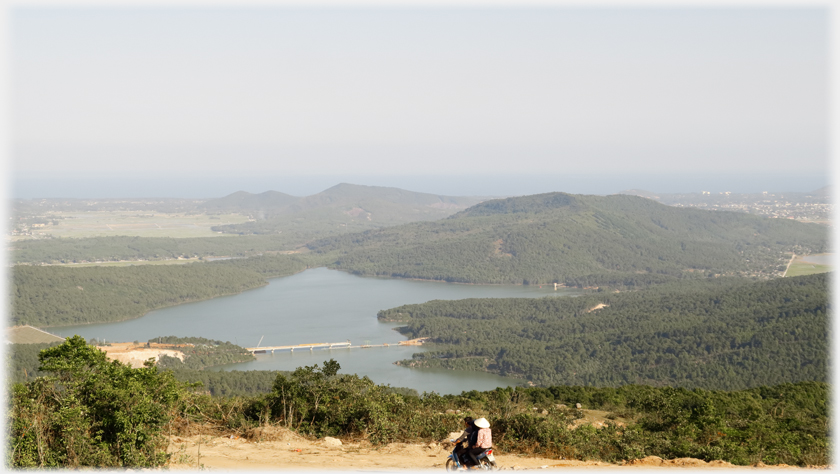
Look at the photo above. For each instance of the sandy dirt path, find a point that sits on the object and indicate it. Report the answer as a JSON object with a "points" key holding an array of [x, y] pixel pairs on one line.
{"points": [[280, 449], [788, 265]]}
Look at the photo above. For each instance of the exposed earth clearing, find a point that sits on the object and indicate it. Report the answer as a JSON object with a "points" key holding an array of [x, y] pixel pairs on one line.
{"points": [[137, 354], [273, 448]]}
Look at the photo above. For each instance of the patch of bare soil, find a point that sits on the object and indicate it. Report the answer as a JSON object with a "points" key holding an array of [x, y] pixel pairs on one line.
{"points": [[598, 419], [274, 448], [498, 249], [597, 307], [136, 354]]}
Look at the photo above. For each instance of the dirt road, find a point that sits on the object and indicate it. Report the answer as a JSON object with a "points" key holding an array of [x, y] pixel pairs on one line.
{"points": [[280, 449]]}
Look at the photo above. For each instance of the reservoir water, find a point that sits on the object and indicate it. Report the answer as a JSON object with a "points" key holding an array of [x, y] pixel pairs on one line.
{"points": [[317, 306]]}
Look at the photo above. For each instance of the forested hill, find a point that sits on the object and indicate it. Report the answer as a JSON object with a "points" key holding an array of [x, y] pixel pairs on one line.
{"points": [[576, 240], [722, 333], [65, 296]]}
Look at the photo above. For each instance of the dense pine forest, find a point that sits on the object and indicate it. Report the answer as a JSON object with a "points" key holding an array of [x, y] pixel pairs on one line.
{"points": [[576, 240], [64, 296], [723, 333], [118, 248]]}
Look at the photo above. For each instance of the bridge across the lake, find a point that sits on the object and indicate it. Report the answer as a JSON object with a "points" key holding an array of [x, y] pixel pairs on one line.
{"points": [[329, 345], [317, 345]]}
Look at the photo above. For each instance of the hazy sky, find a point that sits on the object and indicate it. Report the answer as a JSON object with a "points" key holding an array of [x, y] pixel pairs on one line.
{"points": [[286, 91]]}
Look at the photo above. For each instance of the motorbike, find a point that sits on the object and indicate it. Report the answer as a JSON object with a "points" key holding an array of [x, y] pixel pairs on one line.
{"points": [[486, 460]]}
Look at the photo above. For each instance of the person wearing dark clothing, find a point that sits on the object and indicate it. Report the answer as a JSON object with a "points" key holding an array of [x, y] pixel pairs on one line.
{"points": [[469, 429]]}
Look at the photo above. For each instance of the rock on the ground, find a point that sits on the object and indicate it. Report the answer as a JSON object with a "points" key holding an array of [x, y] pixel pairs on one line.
{"points": [[684, 462], [330, 441], [646, 461]]}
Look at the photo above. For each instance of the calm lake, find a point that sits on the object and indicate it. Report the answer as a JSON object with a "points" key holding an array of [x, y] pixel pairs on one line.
{"points": [[317, 306]]}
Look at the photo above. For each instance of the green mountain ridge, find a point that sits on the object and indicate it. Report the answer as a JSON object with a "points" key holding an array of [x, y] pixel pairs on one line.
{"points": [[576, 240]]}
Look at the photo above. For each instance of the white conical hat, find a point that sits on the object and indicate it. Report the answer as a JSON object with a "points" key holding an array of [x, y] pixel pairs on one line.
{"points": [[482, 423]]}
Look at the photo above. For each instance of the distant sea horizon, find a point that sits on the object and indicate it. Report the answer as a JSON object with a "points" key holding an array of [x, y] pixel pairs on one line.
{"points": [[215, 186]]}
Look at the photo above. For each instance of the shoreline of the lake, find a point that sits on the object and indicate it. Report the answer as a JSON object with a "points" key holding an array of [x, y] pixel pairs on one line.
{"points": [[430, 280], [199, 300], [266, 282]]}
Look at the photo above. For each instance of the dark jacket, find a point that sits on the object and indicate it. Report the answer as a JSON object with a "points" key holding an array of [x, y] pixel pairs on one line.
{"points": [[473, 438]]}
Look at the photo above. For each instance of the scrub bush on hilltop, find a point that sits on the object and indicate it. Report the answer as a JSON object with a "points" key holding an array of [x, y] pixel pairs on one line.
{"points": [[93, 412], [783, 424]]}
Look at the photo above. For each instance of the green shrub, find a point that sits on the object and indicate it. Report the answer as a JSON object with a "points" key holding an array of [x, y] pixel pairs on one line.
{"points": [[91, 411]]}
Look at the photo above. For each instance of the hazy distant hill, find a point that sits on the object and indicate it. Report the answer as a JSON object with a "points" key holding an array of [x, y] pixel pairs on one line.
{"points": [[345, 207], [641, 193], [344, 193], [825, 191], [576, 240], [243, 201]]}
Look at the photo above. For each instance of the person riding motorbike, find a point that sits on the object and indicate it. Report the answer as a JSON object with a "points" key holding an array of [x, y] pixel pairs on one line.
{"points": [[480, 440], [469, 428]]}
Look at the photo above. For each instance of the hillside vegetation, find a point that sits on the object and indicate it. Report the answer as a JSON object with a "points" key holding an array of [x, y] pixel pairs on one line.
{"points": [[121, 248], [88, 411], [576, 240], [201, 353], [717, 334]]}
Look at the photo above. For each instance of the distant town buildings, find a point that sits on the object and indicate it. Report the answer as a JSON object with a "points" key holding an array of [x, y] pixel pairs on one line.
{"points": [[806, 207]]}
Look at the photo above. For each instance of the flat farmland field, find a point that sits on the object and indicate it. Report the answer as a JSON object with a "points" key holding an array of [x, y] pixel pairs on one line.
{"points": [[802, 266], [108, 223]]}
